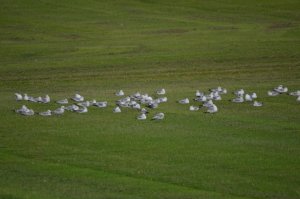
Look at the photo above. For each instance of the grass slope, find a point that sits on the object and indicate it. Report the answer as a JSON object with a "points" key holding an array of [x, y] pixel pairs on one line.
{"points": [[97, 47]]}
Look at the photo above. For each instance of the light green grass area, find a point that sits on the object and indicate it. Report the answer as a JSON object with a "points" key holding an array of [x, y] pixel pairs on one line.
{"points": [[61, 47]]}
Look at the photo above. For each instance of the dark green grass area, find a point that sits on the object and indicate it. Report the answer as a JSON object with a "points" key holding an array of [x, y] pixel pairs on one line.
{"points": [[97, 47]]}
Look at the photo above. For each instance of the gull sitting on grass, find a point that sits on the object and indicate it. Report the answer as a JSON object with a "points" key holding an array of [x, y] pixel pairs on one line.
{"points": [[257, 104], [82, 110], [145, 111], [199, 93], [194, 108], [212, 109], [78, 98], [202, 98], [84, 104], [59, 111], [46, 113], [272, 93], [25, 97], [25, 111], [45, 99], [72, 107], [253, 96], [158, 116], [239, 92], [161, 91], [63, 101], [142, 116], [101, 104], [298, 98], [120, 93], [239, 99], [19, 97], [208, 104], [248, 98], [22, 109], [117, 110], [184, 101], [281, 89], [295, 93]]}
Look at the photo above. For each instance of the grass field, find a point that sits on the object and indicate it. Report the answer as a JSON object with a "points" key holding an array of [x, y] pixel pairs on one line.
{"points": [[97, 47]]}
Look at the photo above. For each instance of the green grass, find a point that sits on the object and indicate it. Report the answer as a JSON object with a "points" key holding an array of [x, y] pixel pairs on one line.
{"points": [[96, 47]]}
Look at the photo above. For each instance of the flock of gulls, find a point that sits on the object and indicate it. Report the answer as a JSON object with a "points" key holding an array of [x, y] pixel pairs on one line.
{"points": [[143, 103]]}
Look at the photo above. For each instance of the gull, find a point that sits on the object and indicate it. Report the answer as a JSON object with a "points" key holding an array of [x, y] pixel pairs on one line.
{"points": [[281, 89], [162, 99], [161, 91], [202, 98], [152, 105], [257, 104], [28, 112], [298, 98], [273, 93], [85, 104], [18, 96], [184, 101], [45, 99], [46, 113], [239, 92], [239, 99], [72, 107], [26, 98], [145, 111], [208, 104], [223, 91], [295, 93], [59, 111], [248, 98], [158, 116], [78, 98], [136, 106], [93, 102], [25, 111], [212, 109], [82, 110], [194, 108], [216, 96], [101, 104], [117, 110], [22, 109], [209, 96], [199, 93], [120, 93], [142, 116], [32, 99], [253, 96], [63, 101]]}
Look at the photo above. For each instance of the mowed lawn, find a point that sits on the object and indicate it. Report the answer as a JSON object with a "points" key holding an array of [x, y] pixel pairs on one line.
{"points": [[94, 48]]}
